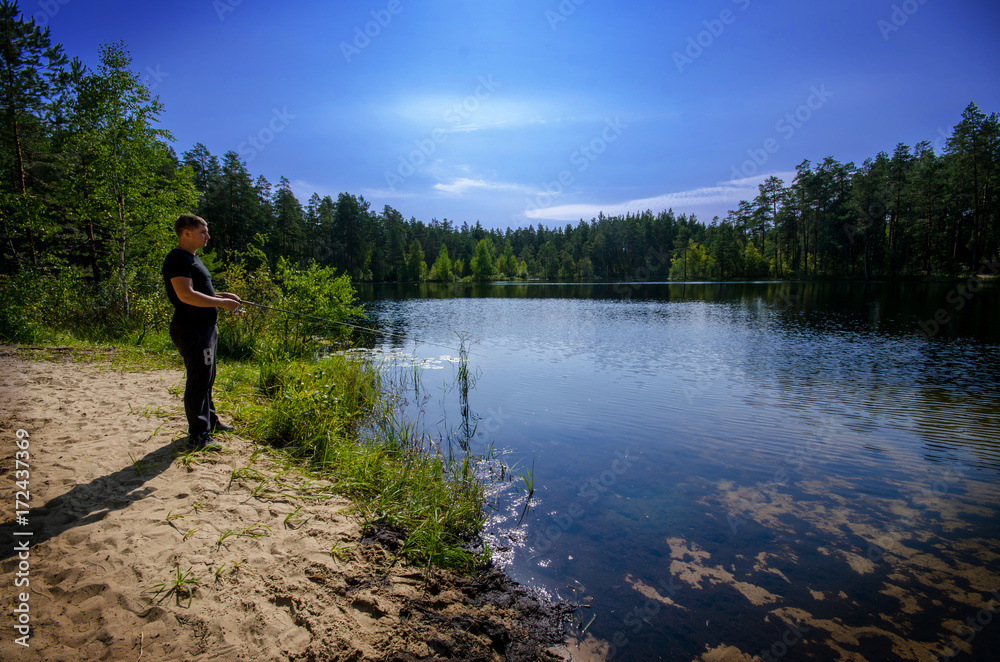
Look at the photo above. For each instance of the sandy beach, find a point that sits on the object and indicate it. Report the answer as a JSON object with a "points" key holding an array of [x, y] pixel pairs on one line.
{"points": [[137, 553]]}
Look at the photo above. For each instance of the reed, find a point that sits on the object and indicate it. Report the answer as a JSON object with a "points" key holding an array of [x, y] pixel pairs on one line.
{"points": [[338, 417]]}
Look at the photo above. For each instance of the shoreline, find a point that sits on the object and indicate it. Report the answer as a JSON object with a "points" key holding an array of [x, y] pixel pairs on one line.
{"points": [[140, 550]]}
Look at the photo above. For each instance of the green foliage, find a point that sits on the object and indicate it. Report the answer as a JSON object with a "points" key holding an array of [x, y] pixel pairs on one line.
{"points": [[182, 584], [416, 268], [35, 306], [37, 81], [319, 292], [314, 291], [482, 264], [692, 262], [314, 407], [337, 415], [753, 262], [122, 181], [441, 271]]}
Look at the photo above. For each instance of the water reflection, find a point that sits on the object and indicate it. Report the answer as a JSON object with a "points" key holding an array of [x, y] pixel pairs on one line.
{"points": [[718, 465]]}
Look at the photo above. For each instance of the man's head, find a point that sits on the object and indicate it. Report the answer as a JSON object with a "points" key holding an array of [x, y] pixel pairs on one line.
{"points": [[188, 222], [192, 232]]}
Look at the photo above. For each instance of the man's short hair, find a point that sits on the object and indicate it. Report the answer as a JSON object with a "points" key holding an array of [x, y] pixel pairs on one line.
{"points": [[185, 221]]}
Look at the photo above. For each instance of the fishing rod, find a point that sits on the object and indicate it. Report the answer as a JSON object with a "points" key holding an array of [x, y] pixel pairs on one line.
{"points": [[314, 317], [330, 321]]}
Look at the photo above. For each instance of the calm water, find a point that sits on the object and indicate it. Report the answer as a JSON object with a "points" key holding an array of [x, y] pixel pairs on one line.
{"points": [[806, 470]]}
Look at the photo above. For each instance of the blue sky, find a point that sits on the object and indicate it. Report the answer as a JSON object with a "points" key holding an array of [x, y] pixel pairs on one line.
{"points": [[534, 111]]}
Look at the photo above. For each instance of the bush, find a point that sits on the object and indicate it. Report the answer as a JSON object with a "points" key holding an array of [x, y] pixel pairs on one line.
{"points": [[34, 306], [270, 335]]}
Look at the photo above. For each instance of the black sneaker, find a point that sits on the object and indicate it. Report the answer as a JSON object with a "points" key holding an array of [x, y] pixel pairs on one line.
{"points": [[207, 442], [222, 427]]}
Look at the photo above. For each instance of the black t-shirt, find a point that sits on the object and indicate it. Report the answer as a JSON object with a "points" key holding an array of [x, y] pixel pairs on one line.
{"points": [[187, 265]]}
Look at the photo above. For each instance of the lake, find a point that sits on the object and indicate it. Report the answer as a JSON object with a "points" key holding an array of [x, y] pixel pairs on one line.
{"points": [[782, 470]]}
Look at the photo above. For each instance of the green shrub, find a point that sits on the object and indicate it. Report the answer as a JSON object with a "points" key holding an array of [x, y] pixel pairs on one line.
{"points": [[35, 306]]}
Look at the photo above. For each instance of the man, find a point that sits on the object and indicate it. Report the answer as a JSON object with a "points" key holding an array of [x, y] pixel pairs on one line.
{"points": [[193, 327]]}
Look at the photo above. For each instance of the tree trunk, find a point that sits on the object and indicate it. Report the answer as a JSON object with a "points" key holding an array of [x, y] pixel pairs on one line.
{"points": [[123, 219], [94, 266], [21, 186]]}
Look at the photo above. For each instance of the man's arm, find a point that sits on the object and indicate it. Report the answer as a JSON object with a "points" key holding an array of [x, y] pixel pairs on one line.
{"points": [[185, 292]]}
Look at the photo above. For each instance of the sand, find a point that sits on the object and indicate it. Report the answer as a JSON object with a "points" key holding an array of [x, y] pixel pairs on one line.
{"points": [[116, 513]]}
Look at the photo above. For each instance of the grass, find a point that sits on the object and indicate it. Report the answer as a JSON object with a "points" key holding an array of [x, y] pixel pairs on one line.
{"points": [[191, 458], [255, 531], [341, 551], [529, 488], [223, 537], [292, 519], [138, 465], [529, 479], [182, 584]]}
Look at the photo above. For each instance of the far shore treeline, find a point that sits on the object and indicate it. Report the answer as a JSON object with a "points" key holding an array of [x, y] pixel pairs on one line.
{"points": [[91, 184]]}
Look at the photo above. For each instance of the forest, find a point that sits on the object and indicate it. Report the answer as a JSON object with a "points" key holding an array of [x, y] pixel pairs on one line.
{"points": [[909, 214], [91, 183]]}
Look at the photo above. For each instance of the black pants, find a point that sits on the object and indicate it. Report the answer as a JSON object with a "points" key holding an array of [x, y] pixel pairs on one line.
{"points": [[197, 347]]}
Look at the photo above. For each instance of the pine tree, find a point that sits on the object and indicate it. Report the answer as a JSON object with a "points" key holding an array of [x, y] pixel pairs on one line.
{"points": [[35, 88]]}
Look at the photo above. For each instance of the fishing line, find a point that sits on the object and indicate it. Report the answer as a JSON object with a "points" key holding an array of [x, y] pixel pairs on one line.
{"points": [[353, 326]]}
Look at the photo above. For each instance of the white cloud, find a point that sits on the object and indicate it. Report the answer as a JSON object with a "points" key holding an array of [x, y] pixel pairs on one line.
{"points": [[705, 202], [463, 185]]}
